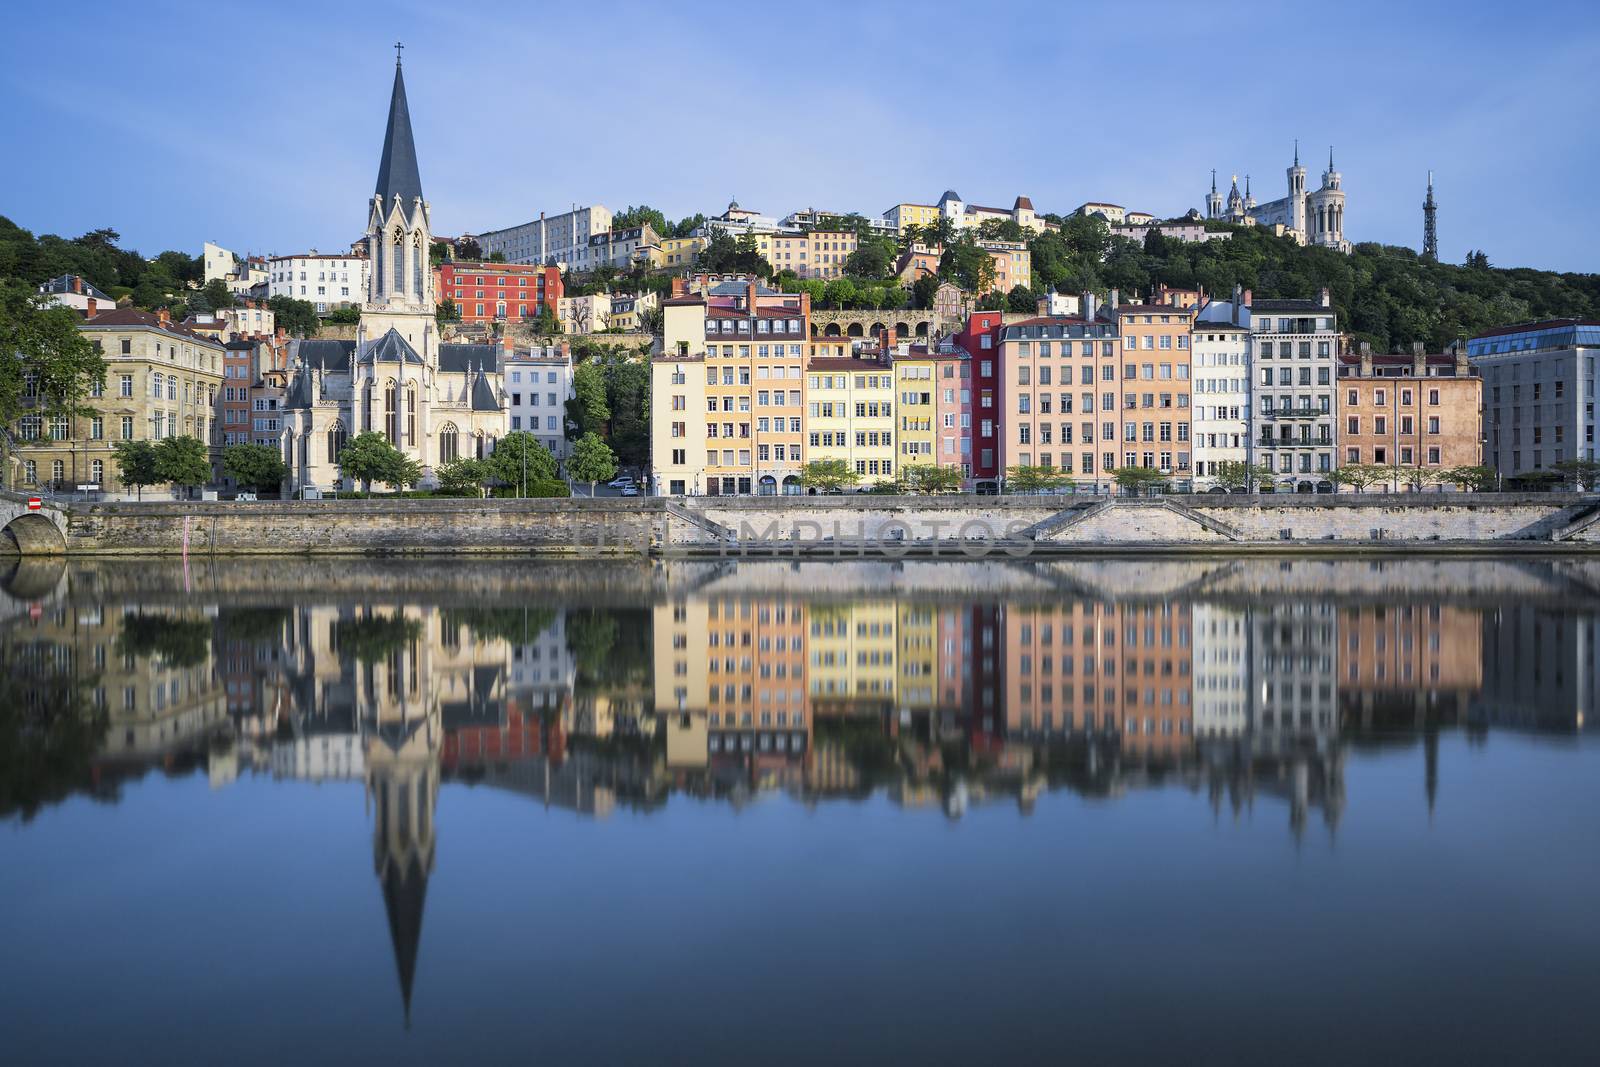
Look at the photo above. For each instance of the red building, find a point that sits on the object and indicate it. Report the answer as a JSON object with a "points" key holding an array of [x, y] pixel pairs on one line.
{"points": [[487, 292], [981, 339]]}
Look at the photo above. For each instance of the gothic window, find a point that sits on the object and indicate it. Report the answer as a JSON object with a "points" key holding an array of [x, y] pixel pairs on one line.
{"points": [[399, 268], [417, 259], [389, 413], [377, 267], [411, 415], [336, 440], [449, 444]]}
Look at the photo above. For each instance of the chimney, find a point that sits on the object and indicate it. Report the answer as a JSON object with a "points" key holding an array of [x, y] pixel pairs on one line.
{"points": [[1115, 299], [680, 287], [805, 307], [1088, 307], [92, 310], [750, 295], [1366, 359], [1463, 367], [77, 284], [1327, 298], [163, 316], [1248, 298]]}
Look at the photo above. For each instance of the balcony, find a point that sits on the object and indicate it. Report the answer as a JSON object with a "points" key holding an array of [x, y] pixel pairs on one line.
{"points": [[1281, 414]]}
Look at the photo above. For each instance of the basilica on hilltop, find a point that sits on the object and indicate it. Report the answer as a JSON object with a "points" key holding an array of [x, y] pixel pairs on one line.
{"points": [[434, 401], [1314, 218]]}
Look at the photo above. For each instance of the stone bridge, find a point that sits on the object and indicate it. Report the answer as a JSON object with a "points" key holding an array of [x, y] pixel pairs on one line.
{"points": [[32, 533]]}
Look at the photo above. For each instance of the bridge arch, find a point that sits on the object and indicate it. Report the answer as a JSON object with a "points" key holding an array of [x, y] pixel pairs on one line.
{"points": [[32, 534]]}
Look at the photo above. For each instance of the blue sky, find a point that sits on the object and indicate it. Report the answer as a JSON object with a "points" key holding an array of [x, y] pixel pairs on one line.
{"points": [[173, 124]]}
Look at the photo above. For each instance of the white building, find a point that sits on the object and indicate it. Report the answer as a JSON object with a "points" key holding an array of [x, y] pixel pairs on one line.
{"points": [[562, 240], [584, 314], [1315, 217], [325, 279], [1221, 670], [543, 670], [538, 384], [1219, 349], [77, 293], [1292, 416]]}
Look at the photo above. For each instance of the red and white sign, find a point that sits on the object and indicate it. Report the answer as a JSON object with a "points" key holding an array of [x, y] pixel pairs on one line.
{"points": [[34, 503]]}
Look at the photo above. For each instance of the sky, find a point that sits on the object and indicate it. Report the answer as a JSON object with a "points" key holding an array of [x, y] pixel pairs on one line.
{"points": [[175, 123]]}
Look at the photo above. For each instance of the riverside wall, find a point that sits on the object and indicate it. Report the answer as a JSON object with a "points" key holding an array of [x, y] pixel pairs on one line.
{"points": [[883, 526]]}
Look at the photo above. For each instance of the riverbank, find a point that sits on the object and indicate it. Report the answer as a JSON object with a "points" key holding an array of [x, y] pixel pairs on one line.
{"points": [[819, 527]]}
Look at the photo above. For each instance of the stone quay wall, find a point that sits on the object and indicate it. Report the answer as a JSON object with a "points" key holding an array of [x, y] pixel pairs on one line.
{"points": [[886, 526]]}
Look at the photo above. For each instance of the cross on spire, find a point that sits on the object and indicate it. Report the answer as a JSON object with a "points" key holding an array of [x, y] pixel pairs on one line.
{"points": [[397, 47]]}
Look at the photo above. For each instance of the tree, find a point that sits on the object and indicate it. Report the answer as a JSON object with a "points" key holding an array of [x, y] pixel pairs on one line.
{"points": [[136, 464], [1020, 299], [587, 409], [1237, 474], [1137, 481], [930, 478], [348, 315], [1087, 235], [468, 250], [218, 295], [1033, 479], [45, 355], [183, 461], [1469, 479], [968, 266], [828, 475], [1414, 476], [497, 257], [1359, 475], [298, 317], [923, 291], [448, 311], [369, 457], [1583, 473], [643, 215], [258, 466], [592, 461], [868, 261], [463, 477], [520, 461]]}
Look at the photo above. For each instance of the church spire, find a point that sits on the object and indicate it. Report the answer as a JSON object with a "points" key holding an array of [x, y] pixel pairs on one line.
{"points": [[1297, 151], [1330, 159], [397, 169], [1213, 179]]}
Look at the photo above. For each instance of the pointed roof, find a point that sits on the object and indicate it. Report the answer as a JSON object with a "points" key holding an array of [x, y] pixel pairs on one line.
{"points": [[390, 348], [483, 398], [397, 169], [404, 893]]}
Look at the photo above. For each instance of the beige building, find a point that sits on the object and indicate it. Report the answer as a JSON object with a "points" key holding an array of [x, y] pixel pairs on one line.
{"points": [[161, 381], [584, 314], [815, 254], [850, 405]]}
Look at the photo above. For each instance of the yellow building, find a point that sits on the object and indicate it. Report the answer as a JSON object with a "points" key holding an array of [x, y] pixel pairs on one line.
{"points": [[1013, 264], [850, 407], [852, 652], [816, 254], [728, 393], [162, 380], [903, 215], [679, 252], [917, 411]]}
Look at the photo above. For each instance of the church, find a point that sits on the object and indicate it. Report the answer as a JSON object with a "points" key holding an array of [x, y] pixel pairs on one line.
{"points": [[1314, 218], [434, 401]]}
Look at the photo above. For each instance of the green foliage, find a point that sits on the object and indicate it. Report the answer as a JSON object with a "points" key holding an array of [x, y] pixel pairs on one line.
{"points": [[592, 461], [827, 475], [1359, 476], [930, 478], [724, 254], [463, 477], [1237, 474], [869, 261], [497, 257], [1136, 481], [183, 461], [521, 462], [447, 311], [298, 317], [136, 464], [218, 295], [592, 635], [628, 400], [369, 457], [643, 215], [923, 291], [1470, 479], [588, 410], [50, 729], [258, 466], [1583, 473], [178, 641], [253, 624], [1020, 298], [158, 282], [468, 250], [1035, 479], [374, 638], [42, 341], [967, 265], [349, 315], [516, 626]]}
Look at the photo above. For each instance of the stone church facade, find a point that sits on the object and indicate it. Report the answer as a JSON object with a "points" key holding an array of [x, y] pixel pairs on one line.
{"points": [[434, 401], [1311, 218]]}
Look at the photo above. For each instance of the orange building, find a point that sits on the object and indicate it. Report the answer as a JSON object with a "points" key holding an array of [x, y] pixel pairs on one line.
{"points": [[1419, 410], [506, 292], [1104, 669], [1155, 387]]}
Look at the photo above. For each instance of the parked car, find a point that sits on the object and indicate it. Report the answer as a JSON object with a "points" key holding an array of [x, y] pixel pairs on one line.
{"points": [[630, 490], [250, 497], [620, 481]]}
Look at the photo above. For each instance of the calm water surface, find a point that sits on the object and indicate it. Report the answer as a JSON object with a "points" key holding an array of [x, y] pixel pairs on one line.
{"points": [[1231, 811]]}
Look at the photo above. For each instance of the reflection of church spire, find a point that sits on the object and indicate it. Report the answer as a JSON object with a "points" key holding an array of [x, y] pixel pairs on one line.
{"points": [[1430, 756], [404, 892]]}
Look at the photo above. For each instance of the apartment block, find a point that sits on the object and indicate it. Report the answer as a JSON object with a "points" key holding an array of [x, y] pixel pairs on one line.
{"points": [[1538, 383], [328, 281], [850, 415], [728, 392], [538, 384], [556, 240], [1220, 381], [1296, 349], [1420, 410], [498, 292]]}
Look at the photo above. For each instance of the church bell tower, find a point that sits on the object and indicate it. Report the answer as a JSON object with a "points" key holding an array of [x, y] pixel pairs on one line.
{"points": [[400, 292]]}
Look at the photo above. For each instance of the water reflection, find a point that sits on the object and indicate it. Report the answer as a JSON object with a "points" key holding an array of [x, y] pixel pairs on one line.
{"points": [[938, 686]]}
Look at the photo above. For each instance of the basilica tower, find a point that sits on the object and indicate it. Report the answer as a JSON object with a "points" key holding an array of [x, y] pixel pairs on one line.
{"points": [[400, 292], [1297, 193]]}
